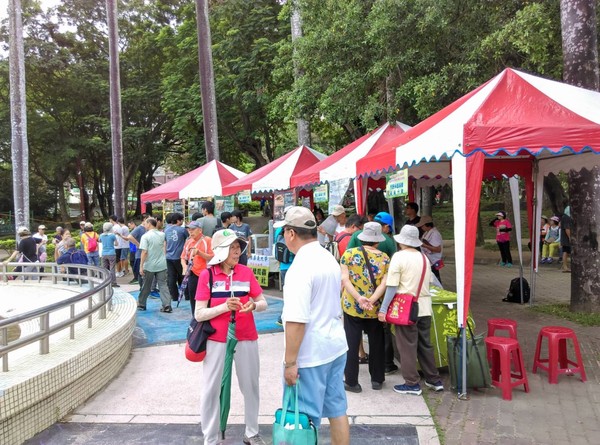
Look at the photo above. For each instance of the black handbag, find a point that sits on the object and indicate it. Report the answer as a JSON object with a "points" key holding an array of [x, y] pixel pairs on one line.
{"points": [[199, 331]]}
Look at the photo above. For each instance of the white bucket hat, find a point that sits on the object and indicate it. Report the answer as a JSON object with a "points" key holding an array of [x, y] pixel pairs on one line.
{"points": [[221, 241], [408, 236], [371, 233]]}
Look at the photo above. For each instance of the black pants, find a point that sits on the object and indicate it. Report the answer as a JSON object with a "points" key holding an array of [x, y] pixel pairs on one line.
{"points": [[436, 272], [505, 251], [190, 291], [389, 346], [354, 327], [174, 277]]}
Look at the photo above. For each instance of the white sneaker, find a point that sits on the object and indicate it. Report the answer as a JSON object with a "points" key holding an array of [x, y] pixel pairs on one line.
{"points": [[119, 274], [254, 440]]}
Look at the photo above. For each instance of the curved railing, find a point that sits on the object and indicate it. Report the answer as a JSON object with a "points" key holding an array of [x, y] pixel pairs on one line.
{"points": [[99, 296]]}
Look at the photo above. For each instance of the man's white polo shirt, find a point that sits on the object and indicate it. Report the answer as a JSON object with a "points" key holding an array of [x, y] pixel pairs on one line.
{"points": [[311, 295]]}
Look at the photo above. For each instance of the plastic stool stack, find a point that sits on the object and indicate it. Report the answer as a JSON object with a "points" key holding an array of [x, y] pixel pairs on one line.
{"points": [[558, 361], [505, 352], [501, 324]]}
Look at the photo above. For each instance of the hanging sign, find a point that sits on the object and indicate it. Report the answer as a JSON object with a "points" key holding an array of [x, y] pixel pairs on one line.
{"points": [[244, 197], [320, 193], [397, 184]]}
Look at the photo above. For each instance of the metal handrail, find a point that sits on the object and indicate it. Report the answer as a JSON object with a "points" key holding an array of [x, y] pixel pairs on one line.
{"points": [[100, 284]]}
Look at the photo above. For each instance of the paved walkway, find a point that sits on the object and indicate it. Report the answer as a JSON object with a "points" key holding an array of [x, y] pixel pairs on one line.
{"points": [[549, 414], [159, 389]]}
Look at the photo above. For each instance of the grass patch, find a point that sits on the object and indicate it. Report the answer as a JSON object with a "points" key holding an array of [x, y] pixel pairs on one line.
{"points": [[433, 403], [562, 310]]}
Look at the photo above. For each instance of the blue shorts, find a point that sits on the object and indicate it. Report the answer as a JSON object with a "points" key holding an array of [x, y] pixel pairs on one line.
{"points": [[322, 391], [124, 253]]}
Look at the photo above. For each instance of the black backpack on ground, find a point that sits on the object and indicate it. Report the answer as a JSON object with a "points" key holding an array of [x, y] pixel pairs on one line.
{"points": [[514, 291]]}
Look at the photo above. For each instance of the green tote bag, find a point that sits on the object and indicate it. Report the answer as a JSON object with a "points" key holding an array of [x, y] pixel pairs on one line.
{"points": [[293, 427]]}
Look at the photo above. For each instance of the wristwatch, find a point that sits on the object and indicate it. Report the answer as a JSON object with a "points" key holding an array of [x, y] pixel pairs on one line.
{"points": [[289, 365]]}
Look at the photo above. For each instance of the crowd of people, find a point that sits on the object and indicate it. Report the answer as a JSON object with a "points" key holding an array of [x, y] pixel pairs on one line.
{"points": [[554, 243], [339, 278]]}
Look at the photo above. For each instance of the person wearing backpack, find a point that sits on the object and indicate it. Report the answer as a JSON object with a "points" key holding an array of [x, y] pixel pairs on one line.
{"points": [[285, 258], [89, 240], [72, 256]]}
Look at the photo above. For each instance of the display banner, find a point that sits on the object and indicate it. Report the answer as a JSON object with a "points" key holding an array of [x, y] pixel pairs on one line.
{"points": [[282, 200], [320, 193], [337, 191], [397, 184], [224, 204], [260, 266]]}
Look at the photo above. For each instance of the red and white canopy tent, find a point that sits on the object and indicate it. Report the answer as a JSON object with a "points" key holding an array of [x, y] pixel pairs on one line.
{"points": [[276, 175], [342, 163], [207, 180], [514, 123]]}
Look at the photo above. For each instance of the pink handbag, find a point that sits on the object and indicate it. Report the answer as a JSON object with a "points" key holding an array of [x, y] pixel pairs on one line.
{"points": [[404, 308]]}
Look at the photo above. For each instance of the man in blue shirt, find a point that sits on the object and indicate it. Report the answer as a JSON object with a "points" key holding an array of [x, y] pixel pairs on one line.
{"points": [[135, 236], [175, 236]]}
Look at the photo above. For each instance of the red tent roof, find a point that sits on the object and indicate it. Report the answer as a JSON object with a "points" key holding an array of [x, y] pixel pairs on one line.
{"points": [[342, 163], [204, 181], [277, 174]]}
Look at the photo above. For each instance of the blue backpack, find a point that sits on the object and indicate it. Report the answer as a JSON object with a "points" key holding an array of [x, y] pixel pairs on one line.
{"points": [[79, 257]]}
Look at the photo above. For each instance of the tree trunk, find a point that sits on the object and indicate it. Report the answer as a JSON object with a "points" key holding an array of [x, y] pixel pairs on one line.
{"points": [[63, 206], [302, 124], [480, 240], [207, 82], [426, 201], [580, 68], [115, 108], [556, 194], [584, 187], [580, 43], [18, 116]]}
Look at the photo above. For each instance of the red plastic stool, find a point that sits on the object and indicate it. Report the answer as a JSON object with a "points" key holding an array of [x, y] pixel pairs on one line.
{"points": [[501, 324], [558, 361], [504, 352]]}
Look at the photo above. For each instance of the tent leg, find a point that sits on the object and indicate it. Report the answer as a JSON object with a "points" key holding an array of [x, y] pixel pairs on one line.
{"points": [[462, 386]]}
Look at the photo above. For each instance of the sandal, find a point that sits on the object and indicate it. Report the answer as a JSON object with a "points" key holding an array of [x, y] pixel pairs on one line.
{"points": [[141, 308], [363, 360], [167, 309]]}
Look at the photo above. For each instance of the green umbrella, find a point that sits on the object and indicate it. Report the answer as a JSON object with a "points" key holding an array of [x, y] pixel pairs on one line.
{"points": [[225, 397]]}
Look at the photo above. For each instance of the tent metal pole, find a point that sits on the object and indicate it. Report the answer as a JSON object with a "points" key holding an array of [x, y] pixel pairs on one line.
{"points": [[462, 394], [536, 230]]}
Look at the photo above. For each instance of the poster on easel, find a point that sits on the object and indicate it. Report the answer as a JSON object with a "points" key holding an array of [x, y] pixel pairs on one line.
{"points": [[171, 207], [244, 197], [224, 204], [320, 193], [337, 191], [282, 200]]}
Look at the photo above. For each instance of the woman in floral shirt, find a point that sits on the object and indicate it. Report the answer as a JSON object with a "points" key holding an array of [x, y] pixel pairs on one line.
{"points": [[363, 279]]}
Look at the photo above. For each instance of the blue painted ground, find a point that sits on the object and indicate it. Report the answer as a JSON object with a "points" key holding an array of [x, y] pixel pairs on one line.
{"points": [[155, 327]]}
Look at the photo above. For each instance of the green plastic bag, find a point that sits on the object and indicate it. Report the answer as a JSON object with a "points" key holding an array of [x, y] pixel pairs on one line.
{"points": [[293, 427], [478, 369]]}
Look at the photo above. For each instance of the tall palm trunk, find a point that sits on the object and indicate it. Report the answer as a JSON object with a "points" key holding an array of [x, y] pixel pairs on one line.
{"points": [[18, 116]]}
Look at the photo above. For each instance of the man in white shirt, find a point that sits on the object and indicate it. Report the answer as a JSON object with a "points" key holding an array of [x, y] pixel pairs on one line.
{"points": [[315, 341], [432, 244]]}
